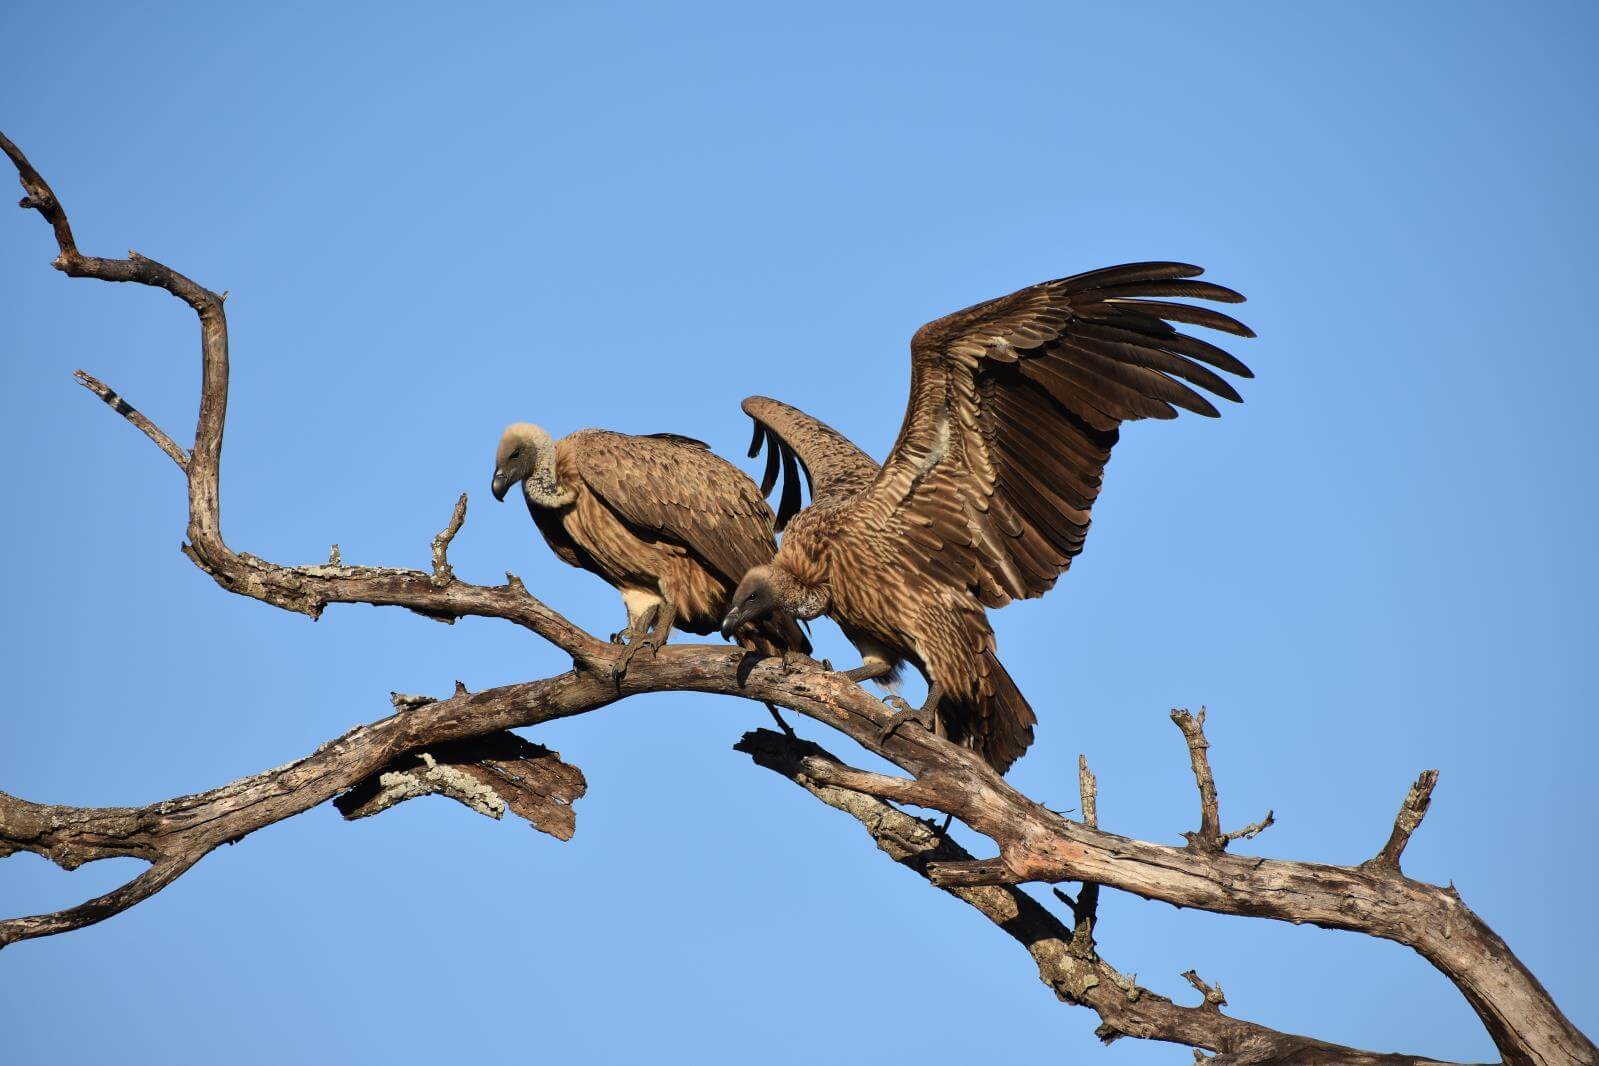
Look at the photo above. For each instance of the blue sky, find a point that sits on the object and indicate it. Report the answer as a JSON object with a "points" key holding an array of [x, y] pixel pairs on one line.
{"points": [[433, 222]]}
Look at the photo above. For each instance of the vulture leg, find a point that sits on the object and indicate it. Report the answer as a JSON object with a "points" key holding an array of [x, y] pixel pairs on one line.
{"points": [[661, 620], [869, 671], [926, 715]]}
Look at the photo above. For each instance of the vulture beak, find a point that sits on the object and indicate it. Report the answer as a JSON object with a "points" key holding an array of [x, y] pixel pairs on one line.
{"points": [[500, 485], [731, 623]]}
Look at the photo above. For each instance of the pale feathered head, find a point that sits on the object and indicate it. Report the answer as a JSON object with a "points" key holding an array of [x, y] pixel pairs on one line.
{"points": [[521, 446]]}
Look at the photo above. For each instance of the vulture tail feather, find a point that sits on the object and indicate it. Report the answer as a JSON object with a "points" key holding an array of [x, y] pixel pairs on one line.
{"points": [[1003, 727]]}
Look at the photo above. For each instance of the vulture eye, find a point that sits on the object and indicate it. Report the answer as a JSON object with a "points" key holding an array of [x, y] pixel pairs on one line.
{"points": [[516, 453], [750, 598]]}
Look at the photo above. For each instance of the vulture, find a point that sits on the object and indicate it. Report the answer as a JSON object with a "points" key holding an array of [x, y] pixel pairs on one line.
{"points": [[1014, 407], [661, 518]]}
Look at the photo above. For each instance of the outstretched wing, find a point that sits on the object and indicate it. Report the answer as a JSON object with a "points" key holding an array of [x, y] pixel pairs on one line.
{"points": [[677, 489], [1015, 405], [834, 467]]}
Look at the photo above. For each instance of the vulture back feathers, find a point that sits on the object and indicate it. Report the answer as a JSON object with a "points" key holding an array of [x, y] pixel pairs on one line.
{"points": [[1015, 405], [660, 517]]}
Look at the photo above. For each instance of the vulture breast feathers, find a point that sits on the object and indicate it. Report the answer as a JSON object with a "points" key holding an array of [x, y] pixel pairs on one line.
{"points": [[1014, 407]]}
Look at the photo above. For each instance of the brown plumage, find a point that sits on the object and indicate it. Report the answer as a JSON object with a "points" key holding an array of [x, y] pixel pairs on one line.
{"points": [[1014, 407], [661, 518]]}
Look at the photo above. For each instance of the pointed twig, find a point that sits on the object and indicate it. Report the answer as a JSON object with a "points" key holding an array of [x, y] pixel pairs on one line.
{"points": [[135, 419], [1088, 791], [1214, 999], [1411, 812], [1250, 831], [782, 724], [443, 572], [1086, 909], [1208, 838]]}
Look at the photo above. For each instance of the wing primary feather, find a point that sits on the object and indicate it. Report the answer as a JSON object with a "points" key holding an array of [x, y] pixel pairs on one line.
{"points": [[1130, 272], [757, 439], [1125, 369], [1195, 290], [1154, 358], [1194, 316], [769, 476], [1181, 343], [789, 506]]}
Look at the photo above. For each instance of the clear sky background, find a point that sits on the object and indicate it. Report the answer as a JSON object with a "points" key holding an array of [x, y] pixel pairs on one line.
{"points": [[435, 221]]}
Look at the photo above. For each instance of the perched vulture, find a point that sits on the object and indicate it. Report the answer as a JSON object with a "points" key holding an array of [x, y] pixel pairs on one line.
{"points": [[663, 519], [985, 498]]}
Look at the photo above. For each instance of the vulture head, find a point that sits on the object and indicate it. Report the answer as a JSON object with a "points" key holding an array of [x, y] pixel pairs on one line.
{"points": [[523, 451], [768, 588]]}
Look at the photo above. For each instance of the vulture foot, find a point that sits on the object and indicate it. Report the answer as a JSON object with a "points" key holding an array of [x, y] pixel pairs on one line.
{"points": [[619, 670], [926, 715], [624, 636], [660, 627]]}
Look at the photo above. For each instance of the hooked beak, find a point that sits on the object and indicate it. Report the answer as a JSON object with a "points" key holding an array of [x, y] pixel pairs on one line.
{"points": [[731, 623], [500, 485]]}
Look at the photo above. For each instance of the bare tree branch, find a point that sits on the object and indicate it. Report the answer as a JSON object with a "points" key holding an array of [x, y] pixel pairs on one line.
{"points": [[305, 589], [1034, 843], [1073, 974]]}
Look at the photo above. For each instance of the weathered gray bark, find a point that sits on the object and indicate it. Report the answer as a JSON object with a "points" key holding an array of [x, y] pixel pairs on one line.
{"points": [[457, 747]]}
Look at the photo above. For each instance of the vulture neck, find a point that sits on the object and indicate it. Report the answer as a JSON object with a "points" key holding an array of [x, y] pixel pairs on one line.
{"points": [[542, 487], [798, 598]]}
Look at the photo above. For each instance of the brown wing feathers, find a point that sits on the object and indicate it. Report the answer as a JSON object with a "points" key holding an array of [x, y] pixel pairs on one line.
{"points": [[676, 487], [1015, 407], [834, 468], [1040, 381]]}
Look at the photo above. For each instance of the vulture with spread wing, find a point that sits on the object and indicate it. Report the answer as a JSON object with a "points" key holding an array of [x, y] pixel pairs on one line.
{"points": [[661, 518], [1014, 407]]}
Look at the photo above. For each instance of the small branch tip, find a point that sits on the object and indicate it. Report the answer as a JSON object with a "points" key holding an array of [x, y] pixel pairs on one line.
{"points": [[443, 572], [1215, 1000], [1407, 821]]}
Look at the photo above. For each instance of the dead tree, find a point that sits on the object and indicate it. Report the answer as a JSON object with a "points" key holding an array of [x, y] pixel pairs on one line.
{"points": [[459, 746]]}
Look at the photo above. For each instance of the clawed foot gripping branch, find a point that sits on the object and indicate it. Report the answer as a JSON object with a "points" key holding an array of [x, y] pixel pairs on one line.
{"points": [[459, 746]]}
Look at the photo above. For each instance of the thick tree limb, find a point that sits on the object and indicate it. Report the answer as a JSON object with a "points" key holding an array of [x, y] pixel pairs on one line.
{"points": [[1034, 843]]}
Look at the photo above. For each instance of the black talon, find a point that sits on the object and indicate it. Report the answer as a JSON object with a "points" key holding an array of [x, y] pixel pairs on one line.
{"points": [[661, 619], [619, 670], [926, 716]]}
